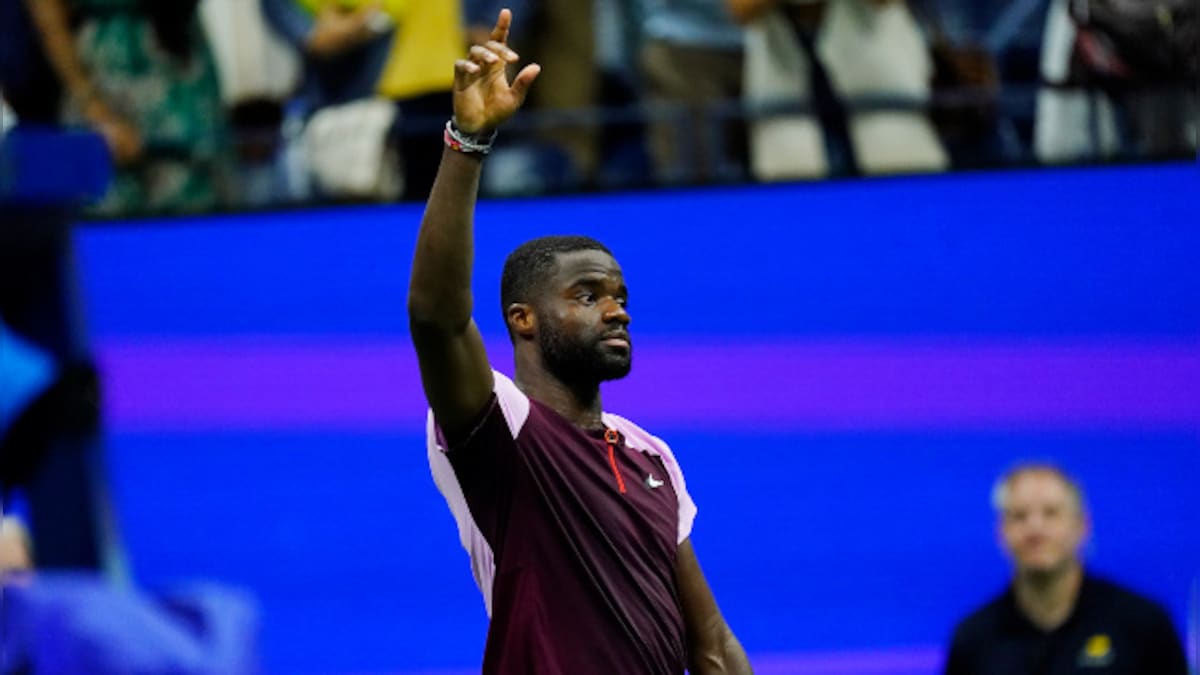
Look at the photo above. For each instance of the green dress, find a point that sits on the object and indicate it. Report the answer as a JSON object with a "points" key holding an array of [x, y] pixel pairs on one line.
{"points": [[173, 102]]}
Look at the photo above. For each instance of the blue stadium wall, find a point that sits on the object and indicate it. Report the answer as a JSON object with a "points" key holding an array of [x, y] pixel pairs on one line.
{"points": [[842, 369]]}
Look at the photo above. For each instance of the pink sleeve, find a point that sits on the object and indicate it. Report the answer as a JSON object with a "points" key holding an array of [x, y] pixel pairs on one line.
{"points": [[514, 406], [641, 439]]}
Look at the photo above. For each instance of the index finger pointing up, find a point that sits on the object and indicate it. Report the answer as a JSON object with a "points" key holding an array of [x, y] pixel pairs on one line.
{"points": [[500, 32]]}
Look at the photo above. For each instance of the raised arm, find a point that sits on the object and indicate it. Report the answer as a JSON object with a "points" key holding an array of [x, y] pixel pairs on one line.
{"points": [[712, 647], [454, 367]]}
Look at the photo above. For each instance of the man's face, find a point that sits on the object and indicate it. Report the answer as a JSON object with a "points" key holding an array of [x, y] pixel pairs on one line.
{"points": [[1042, 526], [583, 327]]}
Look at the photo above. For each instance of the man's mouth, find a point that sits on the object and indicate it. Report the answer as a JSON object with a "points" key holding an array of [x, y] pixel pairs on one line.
{"points": [[617, 341]]}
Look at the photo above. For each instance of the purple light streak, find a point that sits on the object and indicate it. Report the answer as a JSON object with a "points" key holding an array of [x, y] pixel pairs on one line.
{"points": [[279, 383]]}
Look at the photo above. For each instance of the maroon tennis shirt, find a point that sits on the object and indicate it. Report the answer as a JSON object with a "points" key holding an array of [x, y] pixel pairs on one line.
{"points": [[572, 536]]}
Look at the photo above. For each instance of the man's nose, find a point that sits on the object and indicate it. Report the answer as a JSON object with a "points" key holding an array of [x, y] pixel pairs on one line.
{"points": [[615, 311]]}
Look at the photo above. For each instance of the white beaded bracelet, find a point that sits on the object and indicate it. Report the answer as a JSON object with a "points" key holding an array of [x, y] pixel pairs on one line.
{"points": [[471, 144]]}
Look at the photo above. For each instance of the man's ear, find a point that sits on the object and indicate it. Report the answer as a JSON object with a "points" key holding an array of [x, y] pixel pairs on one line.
{"points": [[522, 320]]}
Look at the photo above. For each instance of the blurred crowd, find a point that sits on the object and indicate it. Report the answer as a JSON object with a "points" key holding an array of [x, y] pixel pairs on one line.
{"points": [[211, 104]]}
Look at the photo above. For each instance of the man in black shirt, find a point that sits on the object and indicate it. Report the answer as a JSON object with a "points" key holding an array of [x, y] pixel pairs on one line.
{"points": [[1055, 618]]}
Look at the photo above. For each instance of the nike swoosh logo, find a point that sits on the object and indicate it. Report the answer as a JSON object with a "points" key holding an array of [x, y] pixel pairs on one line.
{"points": [[652, 482]]}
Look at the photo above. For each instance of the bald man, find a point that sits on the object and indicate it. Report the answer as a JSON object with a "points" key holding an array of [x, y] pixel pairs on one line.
{"points": [[1055, 618]]}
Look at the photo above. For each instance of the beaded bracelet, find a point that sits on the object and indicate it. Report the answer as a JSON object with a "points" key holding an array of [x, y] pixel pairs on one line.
{"points": [[460, 141]]}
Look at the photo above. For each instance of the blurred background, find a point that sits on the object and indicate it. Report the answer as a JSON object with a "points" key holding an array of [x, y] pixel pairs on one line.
{"points": [[878, 252]]}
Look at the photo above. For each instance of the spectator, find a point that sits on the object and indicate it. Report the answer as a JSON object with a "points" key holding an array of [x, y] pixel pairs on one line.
{"points": [[1102, 97], [141, 75], [966, 54], [345, 48], [259, 75], [1054, 617], [691, 55], [357, 50], [821, 53]]}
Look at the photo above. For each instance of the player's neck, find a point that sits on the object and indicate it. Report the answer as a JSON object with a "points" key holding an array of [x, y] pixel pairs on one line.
{"points": [[580, 404], [1048, 599]]}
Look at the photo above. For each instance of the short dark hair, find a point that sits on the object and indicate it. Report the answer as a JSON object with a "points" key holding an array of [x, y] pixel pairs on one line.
{"points": [[533, 263]]}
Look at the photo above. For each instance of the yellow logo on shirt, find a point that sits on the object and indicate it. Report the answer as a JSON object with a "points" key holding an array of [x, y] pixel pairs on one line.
{"points": [[1097, 651]]}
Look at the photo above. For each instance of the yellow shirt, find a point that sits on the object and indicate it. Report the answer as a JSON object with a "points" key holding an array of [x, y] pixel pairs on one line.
{"points": [[429, 38]]}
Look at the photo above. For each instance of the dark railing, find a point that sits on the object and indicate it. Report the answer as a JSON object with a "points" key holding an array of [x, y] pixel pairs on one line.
{"points": [[1000, 136]]}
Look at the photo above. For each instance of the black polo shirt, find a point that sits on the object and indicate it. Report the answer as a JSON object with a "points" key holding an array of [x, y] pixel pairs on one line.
{"points": [[1111, 631]]}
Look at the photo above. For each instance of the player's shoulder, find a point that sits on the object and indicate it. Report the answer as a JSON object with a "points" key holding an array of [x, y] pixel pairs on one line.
{"points": [[1123, 600], [507, 400], [506, 389], [635, 435]]}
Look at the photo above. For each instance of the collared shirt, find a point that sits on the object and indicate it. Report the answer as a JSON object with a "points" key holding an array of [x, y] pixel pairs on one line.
{"points": [[573, 537], [1111, 631]]}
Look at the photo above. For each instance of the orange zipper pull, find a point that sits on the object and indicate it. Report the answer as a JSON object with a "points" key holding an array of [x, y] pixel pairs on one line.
{"points": [[612, 438]]}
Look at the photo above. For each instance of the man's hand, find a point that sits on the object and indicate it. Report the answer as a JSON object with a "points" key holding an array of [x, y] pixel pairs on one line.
{"points": [[483, 97], [122, 138]]}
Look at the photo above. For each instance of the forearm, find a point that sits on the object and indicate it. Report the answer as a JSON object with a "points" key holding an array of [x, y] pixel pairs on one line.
{"points": [[723, 656], [736, 660], [440, 286], [712, 647], [439, 294]]}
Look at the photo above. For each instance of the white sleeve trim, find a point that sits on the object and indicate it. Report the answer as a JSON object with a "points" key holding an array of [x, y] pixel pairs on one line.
{"points": [[515, 407], [513, 402]]}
